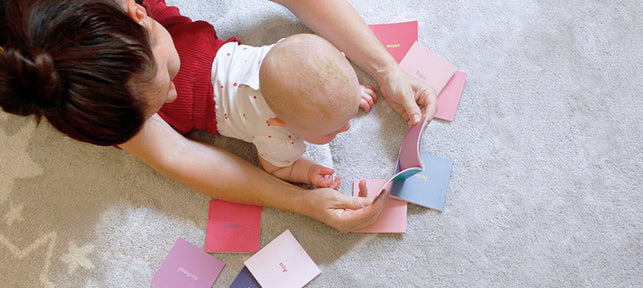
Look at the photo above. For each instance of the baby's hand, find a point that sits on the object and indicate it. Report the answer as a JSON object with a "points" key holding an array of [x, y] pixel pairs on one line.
{"points": [[369, 97], [322, 177]]}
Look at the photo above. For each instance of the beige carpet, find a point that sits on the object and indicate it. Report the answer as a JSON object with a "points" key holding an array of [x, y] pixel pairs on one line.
{"points": [[545, 190]]}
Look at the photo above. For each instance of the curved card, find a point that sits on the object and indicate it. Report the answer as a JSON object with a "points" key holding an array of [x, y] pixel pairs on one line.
{"points": [[409, 161]]}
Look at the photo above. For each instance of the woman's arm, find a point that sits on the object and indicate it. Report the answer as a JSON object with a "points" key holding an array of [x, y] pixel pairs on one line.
{"points": [[339, 23], [222, 175]]}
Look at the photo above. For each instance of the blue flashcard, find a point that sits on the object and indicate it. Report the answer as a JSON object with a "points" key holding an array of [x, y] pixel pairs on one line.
{"points": [[245, 280], [429, 187]]}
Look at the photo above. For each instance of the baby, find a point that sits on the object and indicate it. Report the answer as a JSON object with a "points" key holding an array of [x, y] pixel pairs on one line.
{"points": [[278, 96]]}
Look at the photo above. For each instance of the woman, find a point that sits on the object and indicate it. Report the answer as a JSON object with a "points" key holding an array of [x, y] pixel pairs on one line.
{"points": [[207, 169]]}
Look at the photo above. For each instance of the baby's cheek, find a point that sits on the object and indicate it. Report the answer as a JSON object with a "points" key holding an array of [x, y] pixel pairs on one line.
{"points": [[323, 140], [346, 128], [329, 138]]}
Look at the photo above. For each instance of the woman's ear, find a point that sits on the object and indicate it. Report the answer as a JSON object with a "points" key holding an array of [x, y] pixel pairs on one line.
{"points": [[136, 11]]}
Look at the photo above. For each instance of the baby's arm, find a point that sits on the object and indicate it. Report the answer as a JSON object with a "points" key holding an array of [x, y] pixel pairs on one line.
{"points": [[304, 171]]}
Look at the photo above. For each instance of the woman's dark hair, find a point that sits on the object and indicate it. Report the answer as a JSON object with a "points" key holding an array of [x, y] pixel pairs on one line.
{"points": [[75, 62], [3, 22]]}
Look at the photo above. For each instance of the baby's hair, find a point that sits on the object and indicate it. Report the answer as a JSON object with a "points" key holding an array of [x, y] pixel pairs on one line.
{"points": [[78, 63], [310, 69]]}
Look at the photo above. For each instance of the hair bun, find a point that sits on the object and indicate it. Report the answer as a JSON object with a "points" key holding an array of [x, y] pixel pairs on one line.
{"points": [[33, 79]]}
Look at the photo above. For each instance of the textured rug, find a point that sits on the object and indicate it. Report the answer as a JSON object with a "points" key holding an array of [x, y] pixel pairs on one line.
{"points": [[545, 189]]}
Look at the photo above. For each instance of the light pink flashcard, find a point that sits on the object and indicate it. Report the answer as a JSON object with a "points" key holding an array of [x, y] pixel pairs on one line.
{"points": [[187, 266], [283, 263], [428, 66], [449, 98], [393, 216], [397, 38], [233, 227]]}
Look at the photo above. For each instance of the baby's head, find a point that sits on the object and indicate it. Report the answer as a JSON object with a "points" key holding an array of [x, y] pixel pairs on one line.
{"points": [[311, 87]]}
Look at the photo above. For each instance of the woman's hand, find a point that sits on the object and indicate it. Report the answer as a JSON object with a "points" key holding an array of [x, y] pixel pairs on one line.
{"points": [[407, 95], [342, 212]]}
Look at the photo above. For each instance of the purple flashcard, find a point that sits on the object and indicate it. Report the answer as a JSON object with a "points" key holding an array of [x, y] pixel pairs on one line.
{"points": [[187, 266], [245, 280]]}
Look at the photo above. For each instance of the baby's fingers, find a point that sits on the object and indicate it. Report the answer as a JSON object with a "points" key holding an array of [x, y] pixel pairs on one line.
{"points": [[325, 171], [336, 183]]}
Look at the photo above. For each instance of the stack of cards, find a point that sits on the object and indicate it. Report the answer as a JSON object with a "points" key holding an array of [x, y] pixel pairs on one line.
{"points": [[397, 38], [419, 178], [245, 280], [393, 216], [283, 263], [400, 39], [428, 188]]}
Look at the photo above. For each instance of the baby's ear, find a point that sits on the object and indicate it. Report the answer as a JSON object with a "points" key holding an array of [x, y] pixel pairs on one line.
{"points": [[276, 122]]}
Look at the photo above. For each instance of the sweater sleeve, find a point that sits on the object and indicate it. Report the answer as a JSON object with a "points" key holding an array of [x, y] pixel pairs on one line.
{"points": [[167, 16]]}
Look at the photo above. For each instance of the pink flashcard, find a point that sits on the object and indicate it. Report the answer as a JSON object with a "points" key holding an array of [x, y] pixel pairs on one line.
{"points": [[187, 266], [449, 98], [393, 216], [283, 263], [410, 150], [428, 66], [233, 227], [397, 38]]}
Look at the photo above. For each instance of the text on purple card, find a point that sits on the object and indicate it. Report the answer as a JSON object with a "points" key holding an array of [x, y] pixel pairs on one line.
{"points": [[187, 273]]}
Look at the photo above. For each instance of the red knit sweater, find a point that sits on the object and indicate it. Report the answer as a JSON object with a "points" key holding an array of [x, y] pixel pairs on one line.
{"points": [[197, 44]]}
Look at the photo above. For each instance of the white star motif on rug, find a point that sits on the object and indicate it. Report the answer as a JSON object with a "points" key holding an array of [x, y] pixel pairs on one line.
{"points": [[14, 213], [77, 257], [48, 240]]}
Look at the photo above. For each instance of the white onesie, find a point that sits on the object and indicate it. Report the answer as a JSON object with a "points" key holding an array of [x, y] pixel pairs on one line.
{"points": [[241, 110]]}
